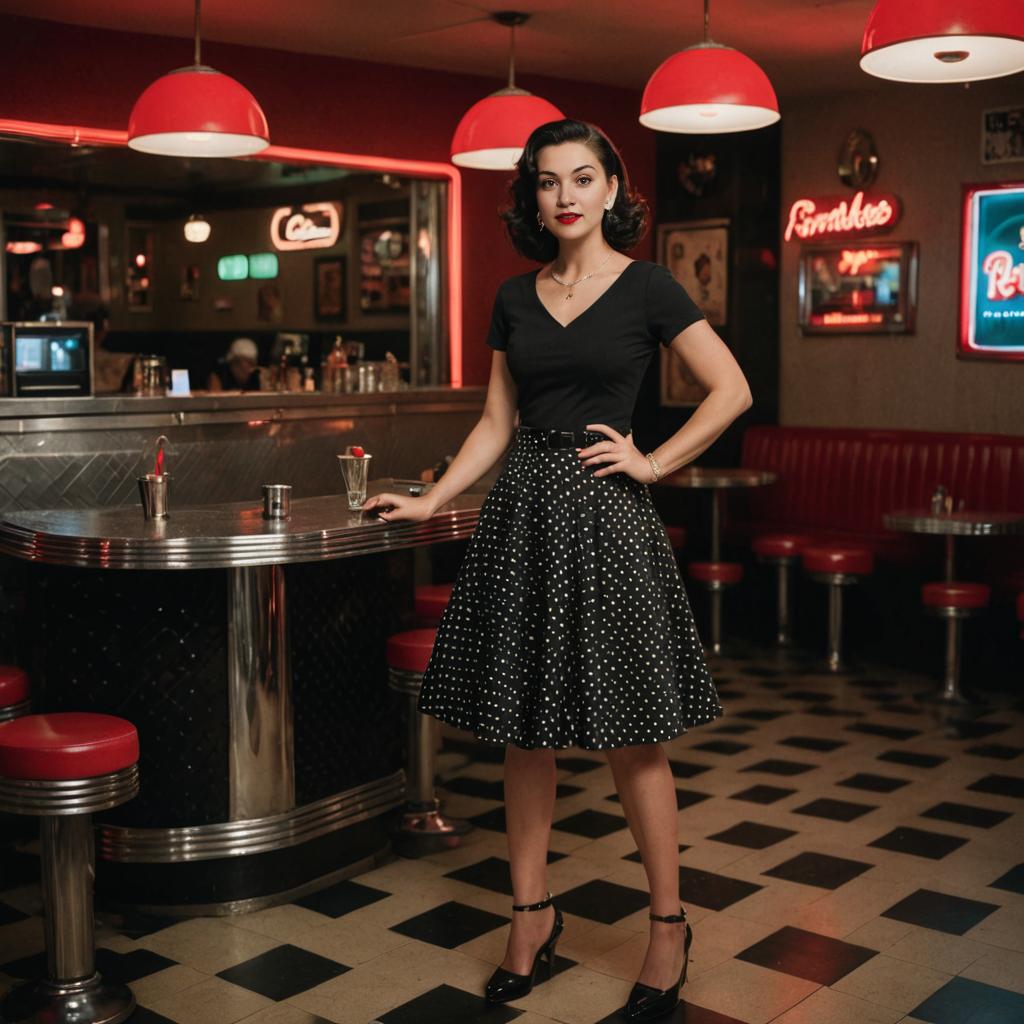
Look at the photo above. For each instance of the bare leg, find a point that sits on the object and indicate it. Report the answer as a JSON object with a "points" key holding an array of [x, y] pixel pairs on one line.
{"points": [[529, 805], [646, 788]]}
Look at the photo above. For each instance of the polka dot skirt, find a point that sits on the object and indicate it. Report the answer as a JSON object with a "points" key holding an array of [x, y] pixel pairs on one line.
{"points": [[568, 623]]}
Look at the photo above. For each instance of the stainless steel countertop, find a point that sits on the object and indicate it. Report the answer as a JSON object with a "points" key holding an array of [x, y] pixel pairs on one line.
{"points": [[18, 415], [227, 536]]}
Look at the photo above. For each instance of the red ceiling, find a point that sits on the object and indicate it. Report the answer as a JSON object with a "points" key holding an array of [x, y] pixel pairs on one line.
{"points": [[804, 45]]}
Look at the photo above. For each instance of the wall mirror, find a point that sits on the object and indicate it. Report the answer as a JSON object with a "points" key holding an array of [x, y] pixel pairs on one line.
{"points": [[289, 248]]}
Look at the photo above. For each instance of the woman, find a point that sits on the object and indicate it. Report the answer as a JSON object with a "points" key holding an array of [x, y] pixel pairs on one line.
{"points": [[568, 624]]}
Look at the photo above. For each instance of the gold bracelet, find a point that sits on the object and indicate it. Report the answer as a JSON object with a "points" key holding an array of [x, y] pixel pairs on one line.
{"points": [[654, 465]]}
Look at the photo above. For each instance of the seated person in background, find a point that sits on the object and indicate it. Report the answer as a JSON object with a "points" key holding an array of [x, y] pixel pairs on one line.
{"points": [[239, 369], [112, 371]]}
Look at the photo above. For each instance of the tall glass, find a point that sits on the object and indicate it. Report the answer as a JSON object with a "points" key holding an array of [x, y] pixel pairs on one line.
{"points": [[355, 470]]}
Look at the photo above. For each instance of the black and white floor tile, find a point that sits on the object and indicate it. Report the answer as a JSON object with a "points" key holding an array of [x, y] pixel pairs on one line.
{"points": [[848, 855]]}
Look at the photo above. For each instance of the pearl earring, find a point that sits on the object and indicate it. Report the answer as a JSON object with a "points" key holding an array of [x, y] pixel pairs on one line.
{"points": [[540, 221]]}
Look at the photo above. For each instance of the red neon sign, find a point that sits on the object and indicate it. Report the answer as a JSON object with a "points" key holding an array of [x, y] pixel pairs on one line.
{"points": [[810, 218]]}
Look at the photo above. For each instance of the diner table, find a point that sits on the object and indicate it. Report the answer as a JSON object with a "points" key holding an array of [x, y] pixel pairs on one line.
{"points": [[718, 480], [952, 525]]}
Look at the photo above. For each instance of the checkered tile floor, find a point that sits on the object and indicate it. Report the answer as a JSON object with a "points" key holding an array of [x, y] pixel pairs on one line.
{"points": [[848, 855]]}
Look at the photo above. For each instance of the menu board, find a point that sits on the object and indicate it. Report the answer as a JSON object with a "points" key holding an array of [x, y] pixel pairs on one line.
{"points": [[992, 273]]}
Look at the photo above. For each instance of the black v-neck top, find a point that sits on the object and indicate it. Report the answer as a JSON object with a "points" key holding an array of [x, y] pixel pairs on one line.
{"points": [[590, 370]]}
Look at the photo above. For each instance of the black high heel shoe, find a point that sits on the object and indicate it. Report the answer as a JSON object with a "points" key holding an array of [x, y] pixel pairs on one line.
{"points": [[648, 1003], [504, 985]]}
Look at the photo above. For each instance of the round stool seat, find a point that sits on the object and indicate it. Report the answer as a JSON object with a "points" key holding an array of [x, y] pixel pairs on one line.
{"points": [[410, 650], [676, 536], [778, 545], [431, 600], [956, 595], [13, 685], [66, 745], [716, 572], [829, 558]]}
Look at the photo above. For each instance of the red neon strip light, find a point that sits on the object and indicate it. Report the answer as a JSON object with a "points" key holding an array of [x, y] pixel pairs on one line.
{"points": [[75, 135]]}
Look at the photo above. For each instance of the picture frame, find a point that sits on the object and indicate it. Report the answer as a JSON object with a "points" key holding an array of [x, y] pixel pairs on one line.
{"points": [[330, 291], [1002, 135], [859, 286], [696, 253]]}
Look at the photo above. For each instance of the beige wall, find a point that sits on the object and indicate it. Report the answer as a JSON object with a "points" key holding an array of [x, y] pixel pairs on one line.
{"points": [[928, 140]]}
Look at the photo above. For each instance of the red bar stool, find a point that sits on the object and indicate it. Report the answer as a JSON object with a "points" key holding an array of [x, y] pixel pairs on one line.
{"points": [[954, 602], [422, 827], [839, 566], [676, 537], [431, 601], [716, 576], [781, 550], [14, 693], [62, 768]]}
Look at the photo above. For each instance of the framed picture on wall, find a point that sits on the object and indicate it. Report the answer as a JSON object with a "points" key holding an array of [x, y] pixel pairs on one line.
{"points": [[329, 288], [697, 254], [864, 287], [1002, 135]]}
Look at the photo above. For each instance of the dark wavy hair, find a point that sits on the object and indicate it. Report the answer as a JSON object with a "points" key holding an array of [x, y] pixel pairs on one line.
{"points": [[622, 226]]}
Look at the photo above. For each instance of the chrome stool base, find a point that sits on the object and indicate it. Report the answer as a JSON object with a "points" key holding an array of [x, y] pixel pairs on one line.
{"points": [[834, 662], [92, 1001], [421, 828], [951, 694], [420, 831], [716, 590], [783, 569]]}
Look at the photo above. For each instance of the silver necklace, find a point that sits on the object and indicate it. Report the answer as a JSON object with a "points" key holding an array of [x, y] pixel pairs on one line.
{"points": [[572, 284]]}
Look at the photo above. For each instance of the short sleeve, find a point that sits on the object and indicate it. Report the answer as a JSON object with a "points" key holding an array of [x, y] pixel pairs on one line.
{"points": [[669, 308], [497, 336]]}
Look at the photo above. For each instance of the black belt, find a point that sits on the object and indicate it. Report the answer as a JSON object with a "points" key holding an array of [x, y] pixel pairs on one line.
{"points": [[561, 438]]}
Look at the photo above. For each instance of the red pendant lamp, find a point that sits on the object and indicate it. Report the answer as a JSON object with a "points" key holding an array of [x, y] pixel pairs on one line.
{"points": [[944, 40], [197, 111], [708, 89], [492, 133]]}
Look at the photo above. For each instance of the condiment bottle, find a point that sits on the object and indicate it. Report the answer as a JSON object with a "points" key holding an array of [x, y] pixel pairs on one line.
{"points": [[334, 367]]}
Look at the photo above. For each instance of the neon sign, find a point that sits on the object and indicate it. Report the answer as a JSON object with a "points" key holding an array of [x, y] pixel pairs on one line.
{"points": [[992, 273], [822, 218], [310, 226], [853, 261]]}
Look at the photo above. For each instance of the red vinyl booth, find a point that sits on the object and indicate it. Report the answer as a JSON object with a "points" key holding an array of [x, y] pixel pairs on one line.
{"points": [[836, 484]]}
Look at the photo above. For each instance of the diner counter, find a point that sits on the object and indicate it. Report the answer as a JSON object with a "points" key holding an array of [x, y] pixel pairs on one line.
{"points": [[228, 536], [270, 741]]}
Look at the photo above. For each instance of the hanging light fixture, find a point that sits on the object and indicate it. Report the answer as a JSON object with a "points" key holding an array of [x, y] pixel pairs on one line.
{"points": [[197, 111], [492, 133], [708, 89], [197, 228], [944, 40]]}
